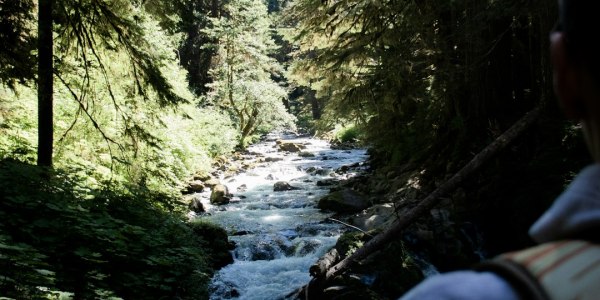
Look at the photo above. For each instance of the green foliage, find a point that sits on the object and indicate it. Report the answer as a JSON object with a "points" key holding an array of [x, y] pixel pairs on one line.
{"points": [[183, 142], [17, 63], [424, 79], [219, 247], [18, 126], [104, 125], [349, 242], [59, 235], [87, 28], [106, 222], [242, 76], [345, 134]]}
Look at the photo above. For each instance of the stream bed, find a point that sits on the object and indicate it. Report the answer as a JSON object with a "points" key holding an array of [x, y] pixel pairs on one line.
{"points": [[279, 234]]}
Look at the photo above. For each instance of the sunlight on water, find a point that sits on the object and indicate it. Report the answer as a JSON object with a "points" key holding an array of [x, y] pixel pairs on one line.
{"points": [[272, 218]]}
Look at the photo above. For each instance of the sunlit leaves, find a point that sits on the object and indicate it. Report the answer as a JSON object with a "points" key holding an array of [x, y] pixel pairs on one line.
{"points": [[17, 63], [242, 76]]}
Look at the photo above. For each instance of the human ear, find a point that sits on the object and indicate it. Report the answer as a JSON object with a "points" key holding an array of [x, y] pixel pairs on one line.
{"points": [[567, 84]]}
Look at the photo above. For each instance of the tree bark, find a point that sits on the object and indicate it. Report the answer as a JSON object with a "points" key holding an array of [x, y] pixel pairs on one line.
{"points": [[45, 84], [432, 199], [319, 269], [316, 108]]}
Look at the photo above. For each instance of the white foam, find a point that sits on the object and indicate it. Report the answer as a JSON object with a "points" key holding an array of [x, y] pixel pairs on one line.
{"points": [[283, 227]]}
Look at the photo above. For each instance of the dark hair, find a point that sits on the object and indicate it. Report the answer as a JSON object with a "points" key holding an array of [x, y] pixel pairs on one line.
{"points": [[579, 20]]}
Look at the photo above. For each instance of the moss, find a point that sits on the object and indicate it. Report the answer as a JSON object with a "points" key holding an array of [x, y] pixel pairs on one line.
{"points": [[349, 242]]}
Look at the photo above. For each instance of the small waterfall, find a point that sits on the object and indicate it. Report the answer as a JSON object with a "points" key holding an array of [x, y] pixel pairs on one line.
{"points": [[278, 235]]}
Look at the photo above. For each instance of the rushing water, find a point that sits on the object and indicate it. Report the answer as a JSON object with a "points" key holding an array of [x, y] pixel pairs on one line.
{"points": [[278, 235]]}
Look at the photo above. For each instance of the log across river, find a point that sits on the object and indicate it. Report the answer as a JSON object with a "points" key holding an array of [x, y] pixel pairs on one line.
{"points": [[279, 234]]}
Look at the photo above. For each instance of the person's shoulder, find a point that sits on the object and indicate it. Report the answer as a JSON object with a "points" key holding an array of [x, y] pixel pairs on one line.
{"points": [[462, 285]]}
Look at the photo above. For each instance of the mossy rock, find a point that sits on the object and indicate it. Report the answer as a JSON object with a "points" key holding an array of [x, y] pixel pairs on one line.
{"points": [[217, 243], [349, 242]]}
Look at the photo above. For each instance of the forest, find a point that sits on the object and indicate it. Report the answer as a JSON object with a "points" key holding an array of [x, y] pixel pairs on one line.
{"points": [[109, 108]]}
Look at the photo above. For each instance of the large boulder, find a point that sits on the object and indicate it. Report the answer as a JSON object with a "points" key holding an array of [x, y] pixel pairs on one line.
{"points": [[290, 146], [344, 201], [219, 195], [283, 186]]}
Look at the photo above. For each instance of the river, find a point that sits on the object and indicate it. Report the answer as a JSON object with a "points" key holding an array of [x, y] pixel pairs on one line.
{"points": [[278, 235]]}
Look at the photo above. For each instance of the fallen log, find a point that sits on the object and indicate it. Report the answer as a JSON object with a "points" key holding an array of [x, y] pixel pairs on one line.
{"points": [[319, 269], [432, 199]]}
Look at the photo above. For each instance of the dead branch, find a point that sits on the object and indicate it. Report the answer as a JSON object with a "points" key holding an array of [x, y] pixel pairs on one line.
{"points": [[432, 199]]}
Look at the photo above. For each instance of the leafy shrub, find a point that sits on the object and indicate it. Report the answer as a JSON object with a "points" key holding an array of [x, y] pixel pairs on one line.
{"points": [[56, 235], [347, 134]]}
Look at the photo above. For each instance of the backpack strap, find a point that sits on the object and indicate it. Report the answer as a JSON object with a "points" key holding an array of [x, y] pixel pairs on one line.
{"points": [[567, 269], [517, 276]]}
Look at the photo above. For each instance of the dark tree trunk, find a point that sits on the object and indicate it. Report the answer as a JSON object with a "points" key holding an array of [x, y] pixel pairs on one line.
{"points": [[315, 104], [45, 84]]}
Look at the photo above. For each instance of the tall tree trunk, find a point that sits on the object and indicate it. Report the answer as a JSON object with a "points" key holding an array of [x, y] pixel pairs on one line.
{"points": [[45, 84], [317, 110]]}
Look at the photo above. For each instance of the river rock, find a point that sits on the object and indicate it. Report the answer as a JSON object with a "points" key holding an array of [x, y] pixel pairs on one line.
{"points": [[266, 248], [242, 188], [272, 159], [290, 146], [305, 154], [305, 247], [212, 182], [344, 201], [343, 169], [323, 172], [195, 186], [219, 195], [283, 186], [202, 177], [373, 217], [196, 205]]}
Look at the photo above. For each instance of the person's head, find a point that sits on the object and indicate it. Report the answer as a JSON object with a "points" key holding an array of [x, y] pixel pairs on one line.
{"points": [[575, 55]]}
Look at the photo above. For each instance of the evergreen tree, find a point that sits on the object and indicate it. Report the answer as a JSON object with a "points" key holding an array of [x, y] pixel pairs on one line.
{"points": [[417, 75], [17, 63], [242, 76]]}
